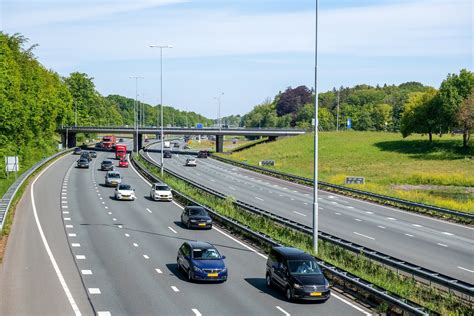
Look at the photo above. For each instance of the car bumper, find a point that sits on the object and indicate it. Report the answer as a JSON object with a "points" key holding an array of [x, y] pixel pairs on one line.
{"points": [[200, 225], [200, 276], [106, 168], [168, 199], [83, 166], [304, 295], [125, 198]]}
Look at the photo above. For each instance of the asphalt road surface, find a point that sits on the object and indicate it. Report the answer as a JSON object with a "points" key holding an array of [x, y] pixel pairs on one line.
{"points": [[107, 257], [434, 244]]}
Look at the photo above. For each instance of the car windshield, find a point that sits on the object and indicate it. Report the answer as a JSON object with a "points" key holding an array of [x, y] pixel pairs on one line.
{"points": [[308, 267], [83, 160], [206, 254], [125, 187], [197, 211], [114, 175], [107, 162], [162, 188]]}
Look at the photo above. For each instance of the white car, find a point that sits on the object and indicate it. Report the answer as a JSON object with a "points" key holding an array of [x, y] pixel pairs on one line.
{"points": [[191, 162], [125, 192], [161, 192]]}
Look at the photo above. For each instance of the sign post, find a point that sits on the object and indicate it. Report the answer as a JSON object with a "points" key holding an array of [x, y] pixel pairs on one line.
{"points": [[12, 165]]}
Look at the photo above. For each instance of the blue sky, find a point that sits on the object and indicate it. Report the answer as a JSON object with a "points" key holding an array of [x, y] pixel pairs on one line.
{"points": [[248, 49]]}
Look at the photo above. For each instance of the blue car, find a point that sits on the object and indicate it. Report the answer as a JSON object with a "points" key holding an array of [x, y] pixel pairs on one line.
{"points": [[201, 262]]}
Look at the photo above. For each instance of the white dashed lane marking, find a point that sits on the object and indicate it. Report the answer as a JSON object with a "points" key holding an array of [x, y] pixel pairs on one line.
{"points": [[391, 218], [447, 234], [283, 311], [368, 237], [80, 257], [149, 211], [409, 235], [146, 257], [94, 290], [196, 312], [442, 245], [104, 313], [174, 288], [135, 244], [170, 228], [301, 214], [86, 272], [472, 271], [416, 225], [158, 271], [381, 227]]}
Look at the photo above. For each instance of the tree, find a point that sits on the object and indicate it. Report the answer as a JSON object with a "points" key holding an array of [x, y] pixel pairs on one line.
{"points": [[421, 114], [292, 100], [465, 118]]}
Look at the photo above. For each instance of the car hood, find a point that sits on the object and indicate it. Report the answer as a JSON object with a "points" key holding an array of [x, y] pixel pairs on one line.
{"points": [[127, 192], [162, 192], [209, 264], [197, 217], [310, 279]]}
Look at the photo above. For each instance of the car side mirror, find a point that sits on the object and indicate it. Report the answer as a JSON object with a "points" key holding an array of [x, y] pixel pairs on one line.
{"points": [[222, 257]]}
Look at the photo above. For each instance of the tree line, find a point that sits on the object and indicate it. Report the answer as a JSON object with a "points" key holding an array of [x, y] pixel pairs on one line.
{"points": [[408, 108], [35, 102]]}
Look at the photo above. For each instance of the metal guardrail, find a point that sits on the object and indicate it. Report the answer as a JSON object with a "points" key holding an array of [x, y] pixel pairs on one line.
{"points": [[339, 188], [450, 283], [7, 198], [336, 273]]}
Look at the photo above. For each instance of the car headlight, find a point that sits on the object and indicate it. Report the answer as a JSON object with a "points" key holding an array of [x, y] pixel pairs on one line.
{"points": [[297, 286], [326, 286], [209, 221], [197, 269]]}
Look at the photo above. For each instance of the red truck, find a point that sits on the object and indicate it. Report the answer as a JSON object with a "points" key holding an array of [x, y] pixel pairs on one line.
{"points": [[120, 151], [109, 141]]}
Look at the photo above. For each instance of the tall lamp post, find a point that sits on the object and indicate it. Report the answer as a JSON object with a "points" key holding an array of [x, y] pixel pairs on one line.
{"points": [[218, 98], [135, 110], [161, 98], [316, 124]]}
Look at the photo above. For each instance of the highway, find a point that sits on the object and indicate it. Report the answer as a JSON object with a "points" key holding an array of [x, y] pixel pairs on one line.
{"points": [[106, 257], [434, 244]]}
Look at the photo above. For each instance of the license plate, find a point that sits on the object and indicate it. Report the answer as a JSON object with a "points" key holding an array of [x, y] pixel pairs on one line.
{"points": [[212, 275], [202, 224], [315, 294]]}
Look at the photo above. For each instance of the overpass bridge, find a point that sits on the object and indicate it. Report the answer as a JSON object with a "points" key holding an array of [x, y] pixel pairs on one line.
{"points": [[68, 133]]}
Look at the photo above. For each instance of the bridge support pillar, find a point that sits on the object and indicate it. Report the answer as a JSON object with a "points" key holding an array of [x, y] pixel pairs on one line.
{"points": [[138, 141], [70, 139], [219, 143]]}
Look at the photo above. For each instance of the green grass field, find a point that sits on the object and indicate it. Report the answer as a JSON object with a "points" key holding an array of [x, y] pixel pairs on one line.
{"points": [[440, 173]]}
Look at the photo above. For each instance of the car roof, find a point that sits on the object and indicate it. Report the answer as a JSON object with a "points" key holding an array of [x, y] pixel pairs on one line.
{"points": [[200, 244], [293, 253]]}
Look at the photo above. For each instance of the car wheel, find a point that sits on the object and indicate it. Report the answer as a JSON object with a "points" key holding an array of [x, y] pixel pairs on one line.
{"points": [[289, 294], [269, 280], [190, 274]]}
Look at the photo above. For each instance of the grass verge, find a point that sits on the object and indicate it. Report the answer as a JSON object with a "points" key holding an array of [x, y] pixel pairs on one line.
{"points": [[359, 265]]}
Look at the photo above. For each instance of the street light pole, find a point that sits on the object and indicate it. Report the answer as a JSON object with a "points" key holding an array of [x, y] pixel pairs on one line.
{"points": [[218, 98], [337, 120], [161, 98], [75, 114], [316, 124], [135, 110]]}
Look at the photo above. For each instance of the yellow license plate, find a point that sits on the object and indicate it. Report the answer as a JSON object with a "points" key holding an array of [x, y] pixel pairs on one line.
{"points": [[202, 224], [315, 294], [212, 275]]}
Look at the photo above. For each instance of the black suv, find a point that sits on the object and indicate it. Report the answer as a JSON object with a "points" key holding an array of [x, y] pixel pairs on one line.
{"points": [[166, 154], [106, 165], [202, 154], [297, 273]]}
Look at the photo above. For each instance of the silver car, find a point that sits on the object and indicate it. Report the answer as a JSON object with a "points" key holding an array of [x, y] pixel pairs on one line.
{"points": [[191, 162], [112, 179]]}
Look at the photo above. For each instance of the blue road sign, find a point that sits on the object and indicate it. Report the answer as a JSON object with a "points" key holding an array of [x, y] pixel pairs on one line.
{"points": [[199, 125], [349, 122]]}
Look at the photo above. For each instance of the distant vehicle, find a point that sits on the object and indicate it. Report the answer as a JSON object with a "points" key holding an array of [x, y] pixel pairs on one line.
{"points": [[85, 154], [106, 165], [201, 261], [77, 151], [167, 154], [124, 192], [176, 144], [146, 140], [93, 154], [167, 144], [120, 151], [191, 162], [98, 145], [161, 192], [112, 178], [109, 141], [297, 273], [196, 216], [121, 140], [203, 154], [83, 163], [123, 163]]}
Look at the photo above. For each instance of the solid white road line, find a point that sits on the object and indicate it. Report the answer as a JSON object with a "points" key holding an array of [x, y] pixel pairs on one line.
{"points": [[196, 312], [466, 269], [94, 290], [371, 238], [239, 242], [283, 311], [66, 290], [301, 214], [351, 304], [172, 230], [174, 288]]}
